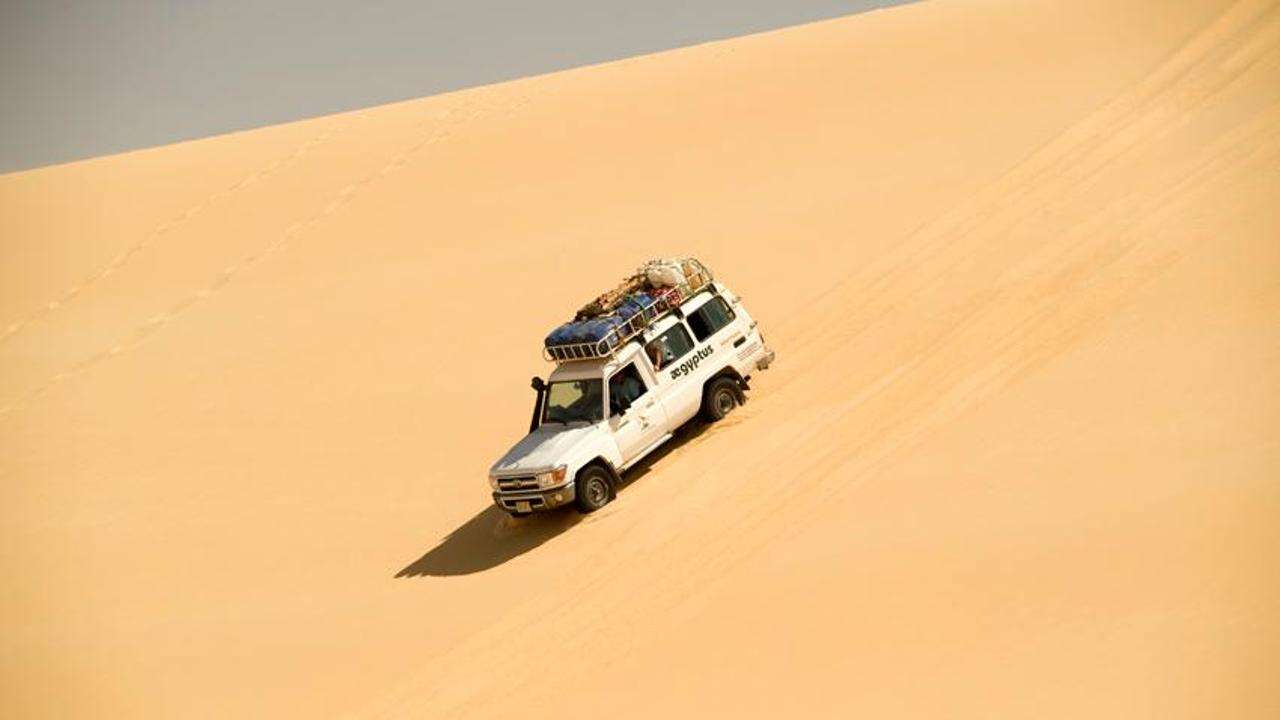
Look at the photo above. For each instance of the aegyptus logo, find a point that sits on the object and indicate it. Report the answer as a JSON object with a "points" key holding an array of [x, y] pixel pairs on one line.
{"points": [[689, 365]]}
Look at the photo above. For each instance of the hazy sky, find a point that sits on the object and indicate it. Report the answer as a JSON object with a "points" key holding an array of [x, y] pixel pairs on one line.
{"points": [[81, 78]]}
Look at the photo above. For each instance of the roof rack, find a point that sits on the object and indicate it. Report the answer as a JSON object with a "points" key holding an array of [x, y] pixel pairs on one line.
{"points": [[660, 305]]}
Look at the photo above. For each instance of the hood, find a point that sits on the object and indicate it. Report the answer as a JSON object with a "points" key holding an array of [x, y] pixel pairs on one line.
{"points": [[543, 449]]}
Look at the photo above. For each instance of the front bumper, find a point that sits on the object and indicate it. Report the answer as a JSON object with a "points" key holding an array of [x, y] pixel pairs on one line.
{"points": [[513, 500]]}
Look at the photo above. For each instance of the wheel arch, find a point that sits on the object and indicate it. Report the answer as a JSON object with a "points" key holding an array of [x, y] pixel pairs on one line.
{"points": [[730, 372], [615, 478]]}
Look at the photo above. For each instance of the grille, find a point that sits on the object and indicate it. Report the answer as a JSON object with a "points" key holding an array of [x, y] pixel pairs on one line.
{"points": [[517, 483]]}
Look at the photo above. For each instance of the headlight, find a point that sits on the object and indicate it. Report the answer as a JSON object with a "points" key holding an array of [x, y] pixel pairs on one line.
{"points": [[493, 482], [551, 479]]}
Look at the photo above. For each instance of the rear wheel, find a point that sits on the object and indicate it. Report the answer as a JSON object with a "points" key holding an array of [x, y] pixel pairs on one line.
{"points": [[594, 489], [720, 398]]}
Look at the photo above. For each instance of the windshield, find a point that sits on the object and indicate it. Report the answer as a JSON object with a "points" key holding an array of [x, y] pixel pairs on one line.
{"points": [[574, 400]]}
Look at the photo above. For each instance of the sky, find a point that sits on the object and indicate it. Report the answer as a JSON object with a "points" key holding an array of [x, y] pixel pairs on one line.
{"points": [[92, 77]]}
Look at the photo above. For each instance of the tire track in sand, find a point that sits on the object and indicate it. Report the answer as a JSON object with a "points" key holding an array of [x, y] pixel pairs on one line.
{"points": [[71, 293], [477, 104]]}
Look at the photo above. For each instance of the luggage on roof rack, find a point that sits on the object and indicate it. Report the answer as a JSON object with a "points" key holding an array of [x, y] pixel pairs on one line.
{"points": [[615, 317]]}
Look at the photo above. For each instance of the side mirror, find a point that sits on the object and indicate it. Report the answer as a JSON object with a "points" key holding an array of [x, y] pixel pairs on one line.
{"points": [[538, 384]]}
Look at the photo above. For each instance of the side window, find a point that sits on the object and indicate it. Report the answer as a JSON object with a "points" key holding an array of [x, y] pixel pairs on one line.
{"points": [[709, 318], [669, 346], [625, 387]]}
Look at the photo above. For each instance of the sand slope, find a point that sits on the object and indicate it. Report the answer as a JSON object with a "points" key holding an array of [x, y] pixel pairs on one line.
{"points": [[1018, 456]]}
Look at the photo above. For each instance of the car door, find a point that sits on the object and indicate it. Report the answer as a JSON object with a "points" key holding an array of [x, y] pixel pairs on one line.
{"points": [[636, 418], [681, 394]]}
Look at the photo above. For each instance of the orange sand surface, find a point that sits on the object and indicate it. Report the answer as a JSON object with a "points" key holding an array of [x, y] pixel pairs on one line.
{"points": [[1019, 455]]}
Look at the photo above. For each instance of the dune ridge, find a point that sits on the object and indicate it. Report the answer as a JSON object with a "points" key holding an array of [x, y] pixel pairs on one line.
{"points": [[1017, 456]]}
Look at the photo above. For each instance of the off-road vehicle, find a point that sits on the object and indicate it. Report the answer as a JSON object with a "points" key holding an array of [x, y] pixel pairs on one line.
{"points": [[610, 401]]}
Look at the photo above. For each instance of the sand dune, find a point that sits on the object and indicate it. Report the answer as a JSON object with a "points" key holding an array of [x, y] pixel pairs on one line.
{"points": [[1018, 456]]}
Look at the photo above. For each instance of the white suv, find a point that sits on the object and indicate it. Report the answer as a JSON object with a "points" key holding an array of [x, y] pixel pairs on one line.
{"points": [[596, 417]]}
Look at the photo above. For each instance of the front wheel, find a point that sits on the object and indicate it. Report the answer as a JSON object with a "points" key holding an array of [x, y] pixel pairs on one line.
{"points": [[594, 489]]}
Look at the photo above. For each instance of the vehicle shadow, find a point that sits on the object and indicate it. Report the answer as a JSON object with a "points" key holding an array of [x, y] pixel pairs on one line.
{"points": [[487, 540], [492, 537]]}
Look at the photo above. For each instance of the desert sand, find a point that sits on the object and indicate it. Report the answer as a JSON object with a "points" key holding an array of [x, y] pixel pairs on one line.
{"points": [[1018, 456]]}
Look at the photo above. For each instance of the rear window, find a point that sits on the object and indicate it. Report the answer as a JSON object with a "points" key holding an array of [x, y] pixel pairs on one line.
{"points": [[669, 346], [709, 318]]}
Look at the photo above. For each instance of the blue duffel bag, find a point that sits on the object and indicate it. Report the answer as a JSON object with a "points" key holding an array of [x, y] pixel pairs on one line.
{"points": [[586, 331], [597, 329], [563, 335], [632, 306]]}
